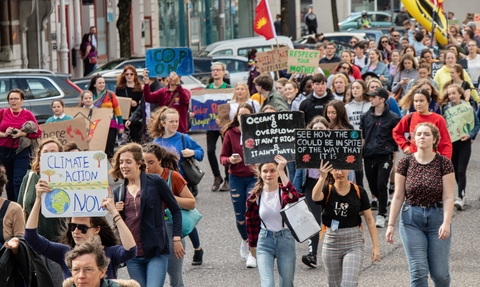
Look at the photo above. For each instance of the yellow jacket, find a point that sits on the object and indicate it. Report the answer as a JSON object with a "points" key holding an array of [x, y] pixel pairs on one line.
{"points": [[442, 77], [257, 97]]}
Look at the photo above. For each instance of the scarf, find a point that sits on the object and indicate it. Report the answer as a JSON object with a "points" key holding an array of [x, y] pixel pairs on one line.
{"points": [[99, 100]]}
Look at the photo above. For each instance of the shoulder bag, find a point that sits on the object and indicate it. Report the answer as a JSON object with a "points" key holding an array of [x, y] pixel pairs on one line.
{"points": [[193, 173], [24, 207], [190, 218]]}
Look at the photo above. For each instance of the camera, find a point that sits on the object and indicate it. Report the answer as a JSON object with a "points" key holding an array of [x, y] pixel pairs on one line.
{"points": [[14, 132]]}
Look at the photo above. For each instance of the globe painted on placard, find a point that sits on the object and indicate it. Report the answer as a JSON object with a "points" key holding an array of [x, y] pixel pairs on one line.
{"points": [[57, 201]]}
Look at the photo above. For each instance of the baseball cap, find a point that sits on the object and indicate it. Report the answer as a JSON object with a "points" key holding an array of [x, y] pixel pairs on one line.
{"points": [[381, 92]]}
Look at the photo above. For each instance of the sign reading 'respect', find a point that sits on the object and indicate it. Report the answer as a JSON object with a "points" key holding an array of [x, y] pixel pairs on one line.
{"points": [[267, 134], [78, 180], [160, 62], [342, 148], [303, 61]]}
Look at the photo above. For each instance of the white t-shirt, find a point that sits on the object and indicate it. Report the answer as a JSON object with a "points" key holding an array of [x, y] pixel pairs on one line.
{"points": [[361, 62], [269, 210], [474, 69], [234, 107]]}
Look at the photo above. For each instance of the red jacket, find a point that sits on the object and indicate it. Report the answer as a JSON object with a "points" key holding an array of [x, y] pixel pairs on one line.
{"points": [[356, 72], [163, 96], [231, 145], [445, 144]]}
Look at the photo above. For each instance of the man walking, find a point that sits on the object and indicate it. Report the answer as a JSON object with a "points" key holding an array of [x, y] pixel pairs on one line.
{"points": [[311, 21], [378, 148]]}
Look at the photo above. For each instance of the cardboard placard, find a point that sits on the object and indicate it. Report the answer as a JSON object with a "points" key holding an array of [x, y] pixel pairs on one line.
{"points": [[303, 61], [460, 121], [476, 20], [274, 60], [160, 62], [223, 114], [265, 135], [342, 148], [125, 106], [67, 131], [79, 182], [328, 68], [97, 122], [205, 107], [435, 66]]}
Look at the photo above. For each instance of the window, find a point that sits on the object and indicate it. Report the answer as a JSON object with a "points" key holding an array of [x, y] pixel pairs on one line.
{"points": [[382, 18], [38, 88], [224, 52], [235, 66], [6, 84]]}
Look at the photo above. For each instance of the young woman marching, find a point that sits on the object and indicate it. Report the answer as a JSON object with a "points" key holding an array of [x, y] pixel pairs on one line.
{"points": [[461, 145], [266, 230]]}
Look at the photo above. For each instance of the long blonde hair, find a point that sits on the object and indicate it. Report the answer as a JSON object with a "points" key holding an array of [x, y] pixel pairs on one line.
{"points": [[155, 127], [247, 97]]}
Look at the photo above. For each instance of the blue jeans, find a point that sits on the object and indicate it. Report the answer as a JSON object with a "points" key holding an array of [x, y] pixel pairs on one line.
{"points": [[425, 252], [175, 266], [16, 166], [148, 271], [280, 245], [239, 189]]}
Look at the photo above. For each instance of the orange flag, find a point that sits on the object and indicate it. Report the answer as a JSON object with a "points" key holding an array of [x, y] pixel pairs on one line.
{"points": [[263, 24]]}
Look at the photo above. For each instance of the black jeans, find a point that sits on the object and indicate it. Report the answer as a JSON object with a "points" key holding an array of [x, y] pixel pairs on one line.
{"points": [[377, 170], [316, 210], [111, 140], [212, 138], [460, 158]]}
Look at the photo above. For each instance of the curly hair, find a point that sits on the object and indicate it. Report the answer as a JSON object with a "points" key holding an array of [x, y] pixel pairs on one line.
{"points": [[137, 153], [167, 159], [94, 247], [38, 152], [107, 234], [122, 81], [155, 127]]}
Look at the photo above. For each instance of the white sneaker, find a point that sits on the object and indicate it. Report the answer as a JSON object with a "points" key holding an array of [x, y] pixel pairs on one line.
{"points": [[459, 202], [380, 222], [251, 261], [244, 249]]}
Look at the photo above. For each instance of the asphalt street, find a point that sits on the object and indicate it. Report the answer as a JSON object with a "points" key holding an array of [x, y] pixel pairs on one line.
{"points": [[223, 266]]}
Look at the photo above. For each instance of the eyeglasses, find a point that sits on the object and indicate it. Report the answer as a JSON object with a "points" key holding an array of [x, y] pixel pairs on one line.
{"points": [[128, 74], [384, 42], [473, 45], [219, 70], [82, 227], [14, 99], [86, 270]]}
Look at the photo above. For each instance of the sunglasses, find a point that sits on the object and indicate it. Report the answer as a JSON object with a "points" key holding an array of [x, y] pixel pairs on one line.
{"points": [[384, 42], [82, 227], [128, 74], [346, 68]]}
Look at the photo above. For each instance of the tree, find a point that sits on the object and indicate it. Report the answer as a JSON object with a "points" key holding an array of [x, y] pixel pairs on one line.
{"points": [[99, 156], [333, 3], [123, 26], [49, 173], [284, 15]]}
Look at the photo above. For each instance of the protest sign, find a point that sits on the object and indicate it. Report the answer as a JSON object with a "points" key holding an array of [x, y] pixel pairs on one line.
{"points": [[476, 20], [265, 135], [223, 114], [79, 182], [97, 122], [160, 62], [303, 61], [67, 131], [328, 68], [273, 60], [125, 106], [435, 66], [205, 107], [460, 121], [342, 148], [453, 23]]}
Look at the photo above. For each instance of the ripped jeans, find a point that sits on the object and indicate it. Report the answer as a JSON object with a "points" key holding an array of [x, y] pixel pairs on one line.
{"points": [[239, 189]]}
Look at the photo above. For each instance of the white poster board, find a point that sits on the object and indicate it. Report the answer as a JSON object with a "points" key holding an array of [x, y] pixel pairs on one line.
{"points": [[79, 182]]}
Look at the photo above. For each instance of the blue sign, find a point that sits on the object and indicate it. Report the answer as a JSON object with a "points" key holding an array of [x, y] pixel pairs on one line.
{"points": [[205, 107], [160, 62]]}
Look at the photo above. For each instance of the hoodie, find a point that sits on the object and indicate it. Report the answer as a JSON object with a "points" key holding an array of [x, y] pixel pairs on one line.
{"points": [[355, 110], [314, 106]]}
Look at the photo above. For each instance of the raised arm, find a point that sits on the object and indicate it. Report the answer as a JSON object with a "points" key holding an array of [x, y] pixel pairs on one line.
{"points": [[317, 193]]}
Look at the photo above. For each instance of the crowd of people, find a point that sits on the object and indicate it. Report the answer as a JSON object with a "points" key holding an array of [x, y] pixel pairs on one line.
{"points": [[385, 89]]}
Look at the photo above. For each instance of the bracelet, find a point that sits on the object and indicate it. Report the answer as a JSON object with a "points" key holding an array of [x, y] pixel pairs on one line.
{"points": [[116, 218], [391, 225], [177, 240]]}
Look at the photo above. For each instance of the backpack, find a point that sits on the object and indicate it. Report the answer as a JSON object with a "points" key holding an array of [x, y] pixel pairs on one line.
{"points": [[324, 227]]}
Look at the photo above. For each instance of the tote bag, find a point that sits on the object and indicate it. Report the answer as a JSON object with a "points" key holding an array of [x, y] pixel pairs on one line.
{"points": [[300, 220]]}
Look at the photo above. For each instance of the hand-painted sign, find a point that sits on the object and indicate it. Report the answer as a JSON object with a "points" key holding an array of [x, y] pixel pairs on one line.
{"points": [[67, 131], [460, 121], [303, 61], [205, 107], [265, 135], [160, 62], [79, 181], [97, 122], [273, 60], [342, 148]]}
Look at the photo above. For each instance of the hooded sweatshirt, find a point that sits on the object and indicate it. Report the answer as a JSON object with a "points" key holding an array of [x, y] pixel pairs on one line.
{"points": [[355, 110], [412, 74]]}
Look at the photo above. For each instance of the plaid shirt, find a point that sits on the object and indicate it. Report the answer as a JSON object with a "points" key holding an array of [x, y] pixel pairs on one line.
{"points": [[252, 214]]}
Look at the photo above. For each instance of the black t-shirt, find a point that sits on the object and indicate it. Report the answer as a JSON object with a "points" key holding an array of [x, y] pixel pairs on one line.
{"points": [[129, 93], [344, 209]]}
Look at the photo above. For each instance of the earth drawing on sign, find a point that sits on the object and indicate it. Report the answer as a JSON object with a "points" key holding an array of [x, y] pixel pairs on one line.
{"points": [[57, 201]]}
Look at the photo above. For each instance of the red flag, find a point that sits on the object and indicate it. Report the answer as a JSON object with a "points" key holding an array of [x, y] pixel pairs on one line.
{"points": [[263, 24]]}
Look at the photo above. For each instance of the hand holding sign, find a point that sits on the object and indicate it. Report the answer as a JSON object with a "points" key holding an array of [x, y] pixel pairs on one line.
{"points": [[162, 61], [108, 203], [42, 187]]}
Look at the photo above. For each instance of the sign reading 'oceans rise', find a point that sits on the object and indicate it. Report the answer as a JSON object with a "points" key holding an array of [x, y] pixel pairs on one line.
{"points": [[78, 180]]}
